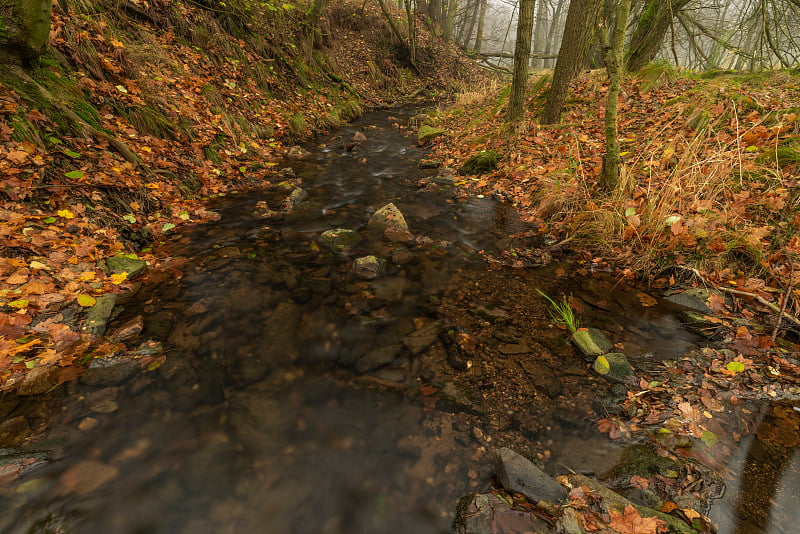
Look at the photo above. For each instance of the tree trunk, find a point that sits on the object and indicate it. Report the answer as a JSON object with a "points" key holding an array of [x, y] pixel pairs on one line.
{"points": [[450, 20], [539, 32], [522, 52], [610, 175], [651, 28], [578, 32], [24, 28], [481, 21], [435, 11]]}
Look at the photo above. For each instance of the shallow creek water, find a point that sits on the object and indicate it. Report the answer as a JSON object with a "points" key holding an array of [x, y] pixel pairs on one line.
{"points": [[293, 401]]}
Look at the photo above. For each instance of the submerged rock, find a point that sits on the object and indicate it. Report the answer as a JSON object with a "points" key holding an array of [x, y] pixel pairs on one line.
{"points": [[110, 371], [591, 342], [368, 267], [423, 338], [694, 299], [339, 240], [297, 195], [485, 513], [387, 217], [39, 380], [518, 474]]}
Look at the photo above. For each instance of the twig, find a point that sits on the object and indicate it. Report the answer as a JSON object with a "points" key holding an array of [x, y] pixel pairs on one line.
{"points": [[786, 297], [761, 300]]}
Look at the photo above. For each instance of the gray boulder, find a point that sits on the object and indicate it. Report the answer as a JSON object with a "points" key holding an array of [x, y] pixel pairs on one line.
{"points": [[518, 474], [97, 316], [125, 264]]}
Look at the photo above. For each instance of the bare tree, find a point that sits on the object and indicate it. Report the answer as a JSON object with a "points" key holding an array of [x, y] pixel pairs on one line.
{"points": [[578, 32], [522, 53]]}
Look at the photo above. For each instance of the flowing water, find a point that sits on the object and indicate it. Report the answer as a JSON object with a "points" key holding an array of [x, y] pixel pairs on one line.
{"points": [[293, 400]]}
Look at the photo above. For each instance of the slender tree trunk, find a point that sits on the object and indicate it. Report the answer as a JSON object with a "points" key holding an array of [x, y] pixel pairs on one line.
{"points": [[481, 21], [578, 32], [650, 31], [450, 20], [522, 52], [610, 175], [539, 32], [508, 28], [435, 12], [412, 32]]}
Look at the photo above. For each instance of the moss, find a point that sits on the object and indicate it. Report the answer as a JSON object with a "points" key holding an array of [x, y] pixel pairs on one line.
{"points": [[147, 120], [782, 155], [297, 125], [87, 112], [481, 163], [642, 460]]}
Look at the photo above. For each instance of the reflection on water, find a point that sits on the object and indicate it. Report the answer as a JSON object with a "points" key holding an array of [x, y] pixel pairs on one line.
{"points": [[763, 497]]}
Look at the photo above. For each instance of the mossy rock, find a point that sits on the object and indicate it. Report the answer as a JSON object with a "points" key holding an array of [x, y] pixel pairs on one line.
{"points": [[591, 342], [426, 133], [297, 125], [481, 163], [642, 460], [126, 264], [613, 366], [339, 240]]}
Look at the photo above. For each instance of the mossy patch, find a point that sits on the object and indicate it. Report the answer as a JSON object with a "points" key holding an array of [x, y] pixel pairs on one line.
{"points": [[481, 163]]}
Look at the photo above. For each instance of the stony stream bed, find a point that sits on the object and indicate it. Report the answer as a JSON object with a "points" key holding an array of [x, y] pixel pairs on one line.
{"points": [[307, 391]]}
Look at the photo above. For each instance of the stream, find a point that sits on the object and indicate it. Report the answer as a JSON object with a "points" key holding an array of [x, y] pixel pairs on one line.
{"points": [[299, 397]]}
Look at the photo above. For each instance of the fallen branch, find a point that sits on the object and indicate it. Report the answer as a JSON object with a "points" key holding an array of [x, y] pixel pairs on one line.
{"points": [[772, 306]]}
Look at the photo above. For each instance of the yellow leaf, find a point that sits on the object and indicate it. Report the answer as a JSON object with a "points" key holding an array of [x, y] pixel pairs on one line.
{"points": [[88, 276], [38, 265], [66, 214], [135, 206], [147, 149], [151, 185], [19, 304], [119, 278], [87, 301]]}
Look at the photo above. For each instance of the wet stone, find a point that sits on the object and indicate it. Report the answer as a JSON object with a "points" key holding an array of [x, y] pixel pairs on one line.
{"points": [[387, 217], [493, 315], [39, 380], [296, 197], [396, 234], [123, 264], [485, 513], [518, 474], [458, 397], [613, 366], [14, 431], [514, 348], [339, 240], [110, 371], [423, 338], [402, 256], [97, 316], [368, 267], [591, 342], [378, 358], [694, 299]]}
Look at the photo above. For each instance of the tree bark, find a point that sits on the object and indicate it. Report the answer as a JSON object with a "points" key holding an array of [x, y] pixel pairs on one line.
{"points": [[578, 32], [450, 20], [24, 28], [522, 53], [650, 31], [609, 178], [481, 21]]}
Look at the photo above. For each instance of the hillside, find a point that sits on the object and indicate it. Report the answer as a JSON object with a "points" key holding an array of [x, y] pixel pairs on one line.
{"points": [[138, 112]]}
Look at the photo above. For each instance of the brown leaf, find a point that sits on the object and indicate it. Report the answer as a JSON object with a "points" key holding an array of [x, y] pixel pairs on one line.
{"points": [[646, 300], [630, 522]]}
